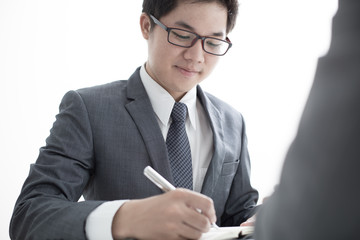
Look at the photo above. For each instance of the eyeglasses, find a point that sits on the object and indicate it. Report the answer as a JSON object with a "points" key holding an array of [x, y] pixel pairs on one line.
{"points": [[183, 38]]}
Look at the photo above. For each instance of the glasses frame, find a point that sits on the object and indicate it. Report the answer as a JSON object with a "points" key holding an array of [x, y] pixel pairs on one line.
{"points": [[202, 38]]}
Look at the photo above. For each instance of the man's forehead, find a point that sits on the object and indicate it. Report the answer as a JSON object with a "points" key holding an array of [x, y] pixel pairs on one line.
{"points": [[183, 24], [208, 18]]}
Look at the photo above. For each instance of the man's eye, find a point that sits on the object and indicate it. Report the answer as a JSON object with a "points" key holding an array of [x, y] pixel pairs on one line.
{"points": [[213, 43], [181, 36]]}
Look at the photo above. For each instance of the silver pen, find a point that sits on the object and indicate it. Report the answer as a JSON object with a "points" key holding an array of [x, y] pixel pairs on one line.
{"points": [[162, 183]]}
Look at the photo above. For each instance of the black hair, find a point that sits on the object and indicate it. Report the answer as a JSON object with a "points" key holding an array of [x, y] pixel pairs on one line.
{"points": [[160, 8]]}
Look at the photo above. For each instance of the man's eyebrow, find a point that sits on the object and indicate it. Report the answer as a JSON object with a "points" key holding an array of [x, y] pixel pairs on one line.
{"points": [[190, 28]]}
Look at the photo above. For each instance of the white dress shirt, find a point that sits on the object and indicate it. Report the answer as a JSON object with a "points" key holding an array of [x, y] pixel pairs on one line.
{"points": [[98, 223]]}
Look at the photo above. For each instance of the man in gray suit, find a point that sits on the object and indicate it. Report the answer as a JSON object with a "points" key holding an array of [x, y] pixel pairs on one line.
{"points": [[104, 137], [318, 195]]}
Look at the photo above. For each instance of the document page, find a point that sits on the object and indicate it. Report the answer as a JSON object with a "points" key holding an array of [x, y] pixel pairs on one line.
{"points": [[224, 233]]}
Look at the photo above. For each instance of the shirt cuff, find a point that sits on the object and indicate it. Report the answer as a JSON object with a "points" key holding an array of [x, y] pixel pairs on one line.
{"points": [[99, 222]]}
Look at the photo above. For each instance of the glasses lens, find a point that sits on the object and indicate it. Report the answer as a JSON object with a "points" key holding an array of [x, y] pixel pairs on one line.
{"points": [[215, 46], [181, 37], [184, 38]]}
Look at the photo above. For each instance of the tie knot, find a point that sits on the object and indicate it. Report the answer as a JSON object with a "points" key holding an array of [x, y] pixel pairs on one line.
{"points": [[178, 113]]}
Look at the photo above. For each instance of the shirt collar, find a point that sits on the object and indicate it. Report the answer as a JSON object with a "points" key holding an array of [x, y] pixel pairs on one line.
{"points": [[162, 102]]}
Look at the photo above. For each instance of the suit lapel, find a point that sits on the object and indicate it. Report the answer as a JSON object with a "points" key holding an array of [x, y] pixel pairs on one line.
{"points": [[214, 170], [144, 117]]}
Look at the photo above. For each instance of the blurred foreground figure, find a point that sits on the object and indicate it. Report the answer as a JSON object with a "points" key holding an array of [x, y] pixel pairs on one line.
{"points": [[318, 195]]}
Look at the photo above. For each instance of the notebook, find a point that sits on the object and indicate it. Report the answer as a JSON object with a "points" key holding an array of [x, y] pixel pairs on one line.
{"points": [[224, 233]]}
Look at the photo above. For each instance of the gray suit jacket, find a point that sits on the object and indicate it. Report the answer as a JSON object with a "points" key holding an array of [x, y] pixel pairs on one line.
{"points": [[101, 141], [318, 196]]}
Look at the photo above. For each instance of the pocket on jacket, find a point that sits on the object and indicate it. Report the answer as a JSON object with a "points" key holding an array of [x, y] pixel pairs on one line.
{"points": [[229, 168]]}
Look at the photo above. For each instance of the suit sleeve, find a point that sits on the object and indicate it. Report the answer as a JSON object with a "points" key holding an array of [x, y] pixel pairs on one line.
{"points": [[242, 200], [47, 207]]}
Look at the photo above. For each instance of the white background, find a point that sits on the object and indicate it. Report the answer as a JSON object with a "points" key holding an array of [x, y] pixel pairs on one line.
{"points": [[48, 47]]}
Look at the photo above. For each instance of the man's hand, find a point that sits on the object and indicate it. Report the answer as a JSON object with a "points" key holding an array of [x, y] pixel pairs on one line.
{"points": [[172, 215]]}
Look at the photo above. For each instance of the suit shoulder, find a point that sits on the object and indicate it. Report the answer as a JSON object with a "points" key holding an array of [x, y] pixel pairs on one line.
{"points": [[106, 88], [223, 107], [98, 95]]}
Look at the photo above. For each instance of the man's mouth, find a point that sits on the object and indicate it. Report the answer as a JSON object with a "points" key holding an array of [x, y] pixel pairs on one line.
{"points": [[188, 72]]}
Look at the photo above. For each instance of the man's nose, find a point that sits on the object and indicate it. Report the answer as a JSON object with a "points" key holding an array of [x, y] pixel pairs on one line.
{"points": [[196, 52]]}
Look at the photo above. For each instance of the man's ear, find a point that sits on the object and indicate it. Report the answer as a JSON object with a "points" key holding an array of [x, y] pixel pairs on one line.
{"points": [[145, 25]]}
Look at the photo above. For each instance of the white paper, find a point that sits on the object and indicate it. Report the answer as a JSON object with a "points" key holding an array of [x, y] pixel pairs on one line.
{"points": [[224, 233]]}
